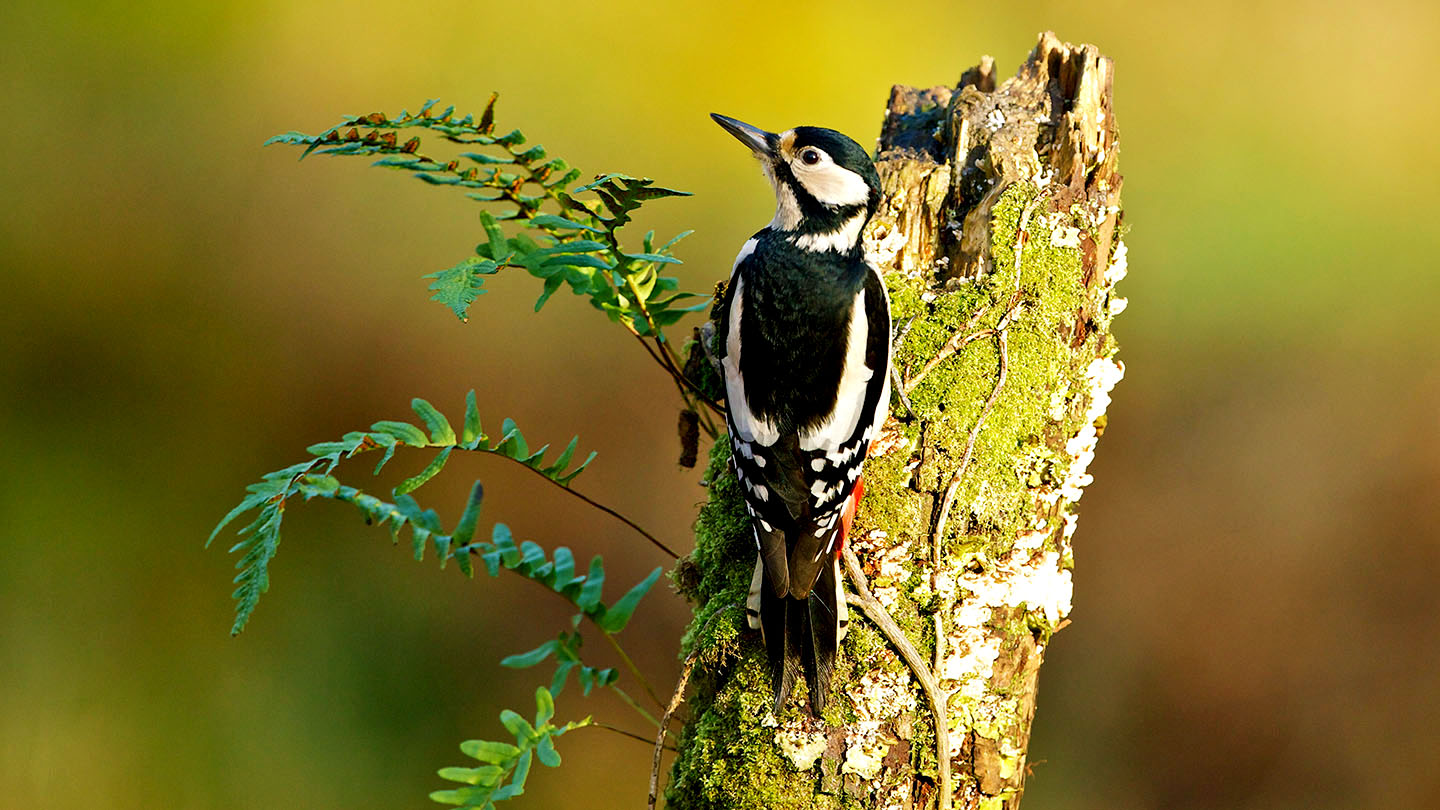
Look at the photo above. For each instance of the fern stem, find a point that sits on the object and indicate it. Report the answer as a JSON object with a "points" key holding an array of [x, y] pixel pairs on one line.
{"points": [[687, 389], [634, 670], [672, 364], [607, 510], [636, 706], [622, 732], [666, 356]]}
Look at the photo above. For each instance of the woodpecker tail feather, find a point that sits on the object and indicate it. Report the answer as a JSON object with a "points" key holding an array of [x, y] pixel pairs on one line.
{"points": [[752, 601], [802, 636], [823, 638], [782, 626]]}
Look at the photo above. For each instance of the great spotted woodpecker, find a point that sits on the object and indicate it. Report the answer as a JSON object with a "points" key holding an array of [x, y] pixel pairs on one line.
{"points": [[804, 344]]}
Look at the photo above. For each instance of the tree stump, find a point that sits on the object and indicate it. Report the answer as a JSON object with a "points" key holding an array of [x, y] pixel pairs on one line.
{"points": [[998, 236]]}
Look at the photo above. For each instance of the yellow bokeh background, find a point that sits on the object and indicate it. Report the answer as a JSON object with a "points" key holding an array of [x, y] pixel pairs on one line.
{"points": [[1256, 619]]}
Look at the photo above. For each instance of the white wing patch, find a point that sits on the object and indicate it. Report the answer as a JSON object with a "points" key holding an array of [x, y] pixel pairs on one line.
{"points": [[840, 425], [748, 426], [842, 456]]}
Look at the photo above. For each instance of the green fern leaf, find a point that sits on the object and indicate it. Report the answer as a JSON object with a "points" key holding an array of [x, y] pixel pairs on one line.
{"points": [[491, 752], [614, 619], [440, 431], [431, 470], [529, 659], [403, 431], [471, 435], [570, 476], [465, 529], [458, 286]]}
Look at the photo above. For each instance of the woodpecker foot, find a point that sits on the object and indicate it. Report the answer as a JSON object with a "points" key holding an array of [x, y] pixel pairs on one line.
{"points": [[900, 335]]}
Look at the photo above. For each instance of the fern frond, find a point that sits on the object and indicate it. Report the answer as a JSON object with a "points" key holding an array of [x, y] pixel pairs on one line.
{"points": [[574, 243], [260, 539], [505, 766], [583, 590]]}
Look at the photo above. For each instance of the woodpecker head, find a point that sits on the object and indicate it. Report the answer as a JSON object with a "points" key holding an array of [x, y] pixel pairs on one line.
{"points": [[826, 187]]}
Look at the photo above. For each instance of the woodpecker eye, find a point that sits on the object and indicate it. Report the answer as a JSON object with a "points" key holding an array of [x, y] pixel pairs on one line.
{"points": [[810, 156]]}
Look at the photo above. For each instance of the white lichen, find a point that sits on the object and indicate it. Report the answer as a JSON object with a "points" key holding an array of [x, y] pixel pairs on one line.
{"points": [[880, 698], [1117, 269], [890, 565], [802, 746], [1065, 236], [1100, 378], [882, 243], [1071, 521]]}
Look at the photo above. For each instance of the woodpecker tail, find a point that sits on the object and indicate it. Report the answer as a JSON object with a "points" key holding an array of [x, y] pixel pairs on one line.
{"points": [[803, 636]]}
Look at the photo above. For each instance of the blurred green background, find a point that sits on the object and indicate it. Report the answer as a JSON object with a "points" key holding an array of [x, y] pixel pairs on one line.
{"points": [[1257, 623]]}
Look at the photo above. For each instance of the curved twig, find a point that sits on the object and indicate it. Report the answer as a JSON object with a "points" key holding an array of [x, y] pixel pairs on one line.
{"points": [[866, 601], [665, 721], [674, 704], [898, 386], [962, 336], [954, 486]]}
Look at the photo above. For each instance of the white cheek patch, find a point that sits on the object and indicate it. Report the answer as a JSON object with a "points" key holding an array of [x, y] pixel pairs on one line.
{"points": [[832, 185]]}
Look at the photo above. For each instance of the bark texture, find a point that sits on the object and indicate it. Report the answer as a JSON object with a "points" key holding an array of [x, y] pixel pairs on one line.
{"points": [[999, 239]]}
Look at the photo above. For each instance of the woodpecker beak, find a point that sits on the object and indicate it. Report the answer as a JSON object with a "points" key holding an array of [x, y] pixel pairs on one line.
{"points": [[759, 141]]}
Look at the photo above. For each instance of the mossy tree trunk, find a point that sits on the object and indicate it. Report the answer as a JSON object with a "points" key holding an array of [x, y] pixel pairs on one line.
{"points": [[999, 239]]}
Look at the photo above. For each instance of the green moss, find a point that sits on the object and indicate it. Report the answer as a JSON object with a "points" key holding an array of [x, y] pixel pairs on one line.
{"points": [[1013, 446], [889, 501], [729, 760], [724, 559]]}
